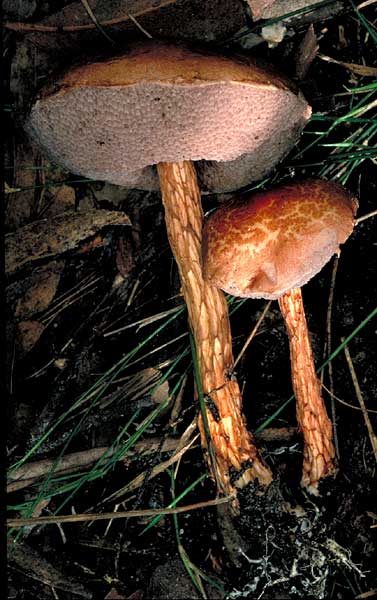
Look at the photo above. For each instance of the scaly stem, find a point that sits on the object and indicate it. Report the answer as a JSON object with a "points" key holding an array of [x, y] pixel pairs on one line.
{"points": [[233, 445], [311, 412]]}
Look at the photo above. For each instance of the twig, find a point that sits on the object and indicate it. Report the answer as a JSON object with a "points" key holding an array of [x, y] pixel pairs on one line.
{"points": [[176, 409], [17, 26], [362, 70], [140, 479], [95, 20], [252, 334], [327, 350], [372, 436], [140, 27], [364, 5], [369, 410], [373, 213], [369, 593], [28, 472], [128, 514]]}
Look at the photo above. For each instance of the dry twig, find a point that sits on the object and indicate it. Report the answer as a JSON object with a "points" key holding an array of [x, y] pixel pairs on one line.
{"points": [[369, 215], [128, 514], [30, 472], [253, 333], [369, 410], [372, 435], [16, 26], [327, 351]]}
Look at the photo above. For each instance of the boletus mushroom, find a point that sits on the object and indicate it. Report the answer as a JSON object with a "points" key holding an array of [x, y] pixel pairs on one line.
{"points": [[159, 109], [267, 245]]}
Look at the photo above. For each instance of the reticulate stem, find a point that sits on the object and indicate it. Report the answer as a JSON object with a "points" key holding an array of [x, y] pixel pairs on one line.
{"points": [[207, 308], [311, 412]]}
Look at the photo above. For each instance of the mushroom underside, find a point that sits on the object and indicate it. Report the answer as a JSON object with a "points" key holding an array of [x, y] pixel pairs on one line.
{"points": [[197, 121]]}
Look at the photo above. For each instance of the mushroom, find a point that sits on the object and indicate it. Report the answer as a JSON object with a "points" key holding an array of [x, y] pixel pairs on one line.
{"points": [[165, 105], [268, 245]]}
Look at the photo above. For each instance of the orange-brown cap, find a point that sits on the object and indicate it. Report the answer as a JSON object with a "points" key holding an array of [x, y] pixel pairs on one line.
{"points": [[267, 243], [114, 120]]}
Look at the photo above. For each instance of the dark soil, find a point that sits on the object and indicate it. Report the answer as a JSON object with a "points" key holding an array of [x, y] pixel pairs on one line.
{"points": [[283, 544]]}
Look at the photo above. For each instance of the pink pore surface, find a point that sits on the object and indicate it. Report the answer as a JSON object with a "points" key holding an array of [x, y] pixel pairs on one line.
{"points": [[118, 133]]}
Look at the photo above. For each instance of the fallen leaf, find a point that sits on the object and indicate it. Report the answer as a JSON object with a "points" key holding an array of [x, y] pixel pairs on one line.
{"points": [[161, 393], [114, 595], [50, 238], [63, 199], [362, 70], [40, 290], [136, 595], [37, 567], [124, 256], [306, 53], [144, 388], [29, 333], [268, 9]]}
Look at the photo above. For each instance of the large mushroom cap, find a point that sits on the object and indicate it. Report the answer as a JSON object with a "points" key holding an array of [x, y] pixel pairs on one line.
{"points": [[113, 120], [265, 244]]}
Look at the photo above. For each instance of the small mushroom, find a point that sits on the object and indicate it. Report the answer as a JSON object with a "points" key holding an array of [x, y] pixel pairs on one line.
{"points": [[166, 106], [268, 245]]}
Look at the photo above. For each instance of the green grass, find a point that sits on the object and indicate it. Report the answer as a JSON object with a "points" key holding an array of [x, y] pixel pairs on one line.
{"points": [[70, 485], [339, 159]]}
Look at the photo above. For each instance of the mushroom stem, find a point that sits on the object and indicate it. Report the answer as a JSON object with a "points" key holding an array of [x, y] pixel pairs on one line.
{"points": [[311, 412], [207, 308]]}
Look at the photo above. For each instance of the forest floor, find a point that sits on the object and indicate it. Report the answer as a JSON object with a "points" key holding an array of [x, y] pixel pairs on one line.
{"points": [[99, 371]]}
